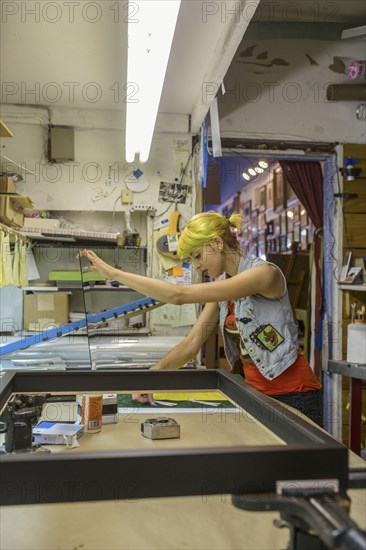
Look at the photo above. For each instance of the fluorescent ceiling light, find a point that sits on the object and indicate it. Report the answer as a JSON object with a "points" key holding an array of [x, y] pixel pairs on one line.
{"points": [[151, 26]]}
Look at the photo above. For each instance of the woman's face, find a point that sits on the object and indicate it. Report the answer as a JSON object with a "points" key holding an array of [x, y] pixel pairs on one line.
{"points": [[209, 260]]}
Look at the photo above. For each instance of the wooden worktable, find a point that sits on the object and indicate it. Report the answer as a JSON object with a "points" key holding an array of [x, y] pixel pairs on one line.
{"points": [[159, 523]]}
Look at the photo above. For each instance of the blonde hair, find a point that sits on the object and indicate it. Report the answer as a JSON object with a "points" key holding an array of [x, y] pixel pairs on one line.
{"points": [[202, 228]]}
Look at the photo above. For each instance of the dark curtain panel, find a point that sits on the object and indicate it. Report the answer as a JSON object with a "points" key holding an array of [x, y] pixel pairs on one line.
{"points": [[306, 179]]}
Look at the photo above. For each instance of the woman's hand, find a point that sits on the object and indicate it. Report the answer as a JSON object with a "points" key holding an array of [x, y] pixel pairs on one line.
{"points": [[143, 398], [97, 264]]}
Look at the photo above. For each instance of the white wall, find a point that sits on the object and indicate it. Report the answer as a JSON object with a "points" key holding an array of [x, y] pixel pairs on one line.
{"points": [[85, 193], [95, 180], [266, 100]]}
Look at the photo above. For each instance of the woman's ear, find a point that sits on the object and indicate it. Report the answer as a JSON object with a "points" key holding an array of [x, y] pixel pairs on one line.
{"points": [[218, 244]]}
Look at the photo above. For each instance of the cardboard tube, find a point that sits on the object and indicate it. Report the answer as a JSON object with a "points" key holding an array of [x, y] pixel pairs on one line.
{"points": [[346, 92]]}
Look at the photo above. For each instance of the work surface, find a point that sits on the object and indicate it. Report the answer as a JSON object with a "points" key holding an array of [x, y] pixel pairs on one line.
{"points": [[205, 522]]}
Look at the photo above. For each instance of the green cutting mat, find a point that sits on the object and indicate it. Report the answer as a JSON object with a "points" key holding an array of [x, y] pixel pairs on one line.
{"points": [[125, 401], [87, 276]]}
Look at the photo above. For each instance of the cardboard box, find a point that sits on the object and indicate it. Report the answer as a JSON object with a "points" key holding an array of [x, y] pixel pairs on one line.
{"points": [[7, 185], [45, 310], [42, 223], [11, 209]]}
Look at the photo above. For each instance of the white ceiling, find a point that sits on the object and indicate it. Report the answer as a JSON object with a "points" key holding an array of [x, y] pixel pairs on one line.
{"points": [[73, 54], [75, 59]]}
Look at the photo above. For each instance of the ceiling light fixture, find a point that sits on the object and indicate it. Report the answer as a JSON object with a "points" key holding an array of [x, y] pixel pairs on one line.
{"points": [[259, 170], [151, 27], [245, 176], [263, 164], [252, 172]]}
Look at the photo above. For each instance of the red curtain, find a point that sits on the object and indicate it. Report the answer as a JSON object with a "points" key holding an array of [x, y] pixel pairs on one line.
{"points": [[306, 179]]}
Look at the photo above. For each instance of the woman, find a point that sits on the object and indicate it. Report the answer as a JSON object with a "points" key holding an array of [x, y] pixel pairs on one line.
{"points": [[248, 299]]}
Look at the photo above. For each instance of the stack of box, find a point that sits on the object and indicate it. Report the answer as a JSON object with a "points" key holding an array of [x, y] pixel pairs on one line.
{"points": [[11, 203]]}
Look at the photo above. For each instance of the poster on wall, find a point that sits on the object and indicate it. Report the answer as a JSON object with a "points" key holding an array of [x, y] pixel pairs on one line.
{"points": [[279, 190], [254, 221], [262, 199], [290, 194], [269, 196], [246, 208], [232, 207], [173, 192]]}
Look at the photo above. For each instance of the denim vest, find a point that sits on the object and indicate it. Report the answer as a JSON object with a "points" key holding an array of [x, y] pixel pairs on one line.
{"points": [[266, 327]]}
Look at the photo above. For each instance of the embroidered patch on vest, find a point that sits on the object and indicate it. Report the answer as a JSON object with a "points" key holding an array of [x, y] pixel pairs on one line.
{"points": [[267, 337], [245, 320]]}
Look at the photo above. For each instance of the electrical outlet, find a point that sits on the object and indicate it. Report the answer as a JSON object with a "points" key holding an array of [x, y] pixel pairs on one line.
{"points": [[126, 196], [141, 207], [150, 210]]}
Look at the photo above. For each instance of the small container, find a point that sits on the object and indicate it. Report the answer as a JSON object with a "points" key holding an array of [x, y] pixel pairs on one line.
{"points": [[120, 240], [132, 239], [356, 343], [90, 412]]}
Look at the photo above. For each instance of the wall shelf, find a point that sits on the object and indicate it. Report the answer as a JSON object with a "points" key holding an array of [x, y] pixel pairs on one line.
{"points": [[358, 288], [41, 289], [345, 368], [107, 287], [68, 233]]}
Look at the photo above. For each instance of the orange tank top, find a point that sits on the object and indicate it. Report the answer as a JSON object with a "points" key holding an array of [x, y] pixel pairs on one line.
{"points": [[299, 377]]}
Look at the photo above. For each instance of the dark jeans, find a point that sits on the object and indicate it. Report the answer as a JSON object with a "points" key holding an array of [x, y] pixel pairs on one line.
{"points": [[309, 403]]}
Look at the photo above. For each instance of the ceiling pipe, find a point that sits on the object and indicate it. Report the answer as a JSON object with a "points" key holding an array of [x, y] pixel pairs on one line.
{"points": [[346, 92]]}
